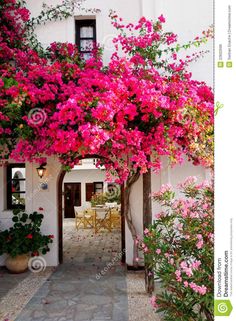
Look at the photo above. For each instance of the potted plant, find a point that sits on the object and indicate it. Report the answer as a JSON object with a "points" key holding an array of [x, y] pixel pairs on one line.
{"points": [[98, 199], [23, 239]]}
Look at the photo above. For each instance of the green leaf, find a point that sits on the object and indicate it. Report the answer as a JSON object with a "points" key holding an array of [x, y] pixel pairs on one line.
{"points": [[15, 219], [9, 82]]}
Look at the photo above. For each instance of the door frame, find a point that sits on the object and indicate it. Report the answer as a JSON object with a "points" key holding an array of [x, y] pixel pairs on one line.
{"points": [[60, 217]]}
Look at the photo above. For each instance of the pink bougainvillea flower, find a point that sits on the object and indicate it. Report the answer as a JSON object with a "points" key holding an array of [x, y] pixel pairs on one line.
{"points": [[161, 18], [94, 109]]}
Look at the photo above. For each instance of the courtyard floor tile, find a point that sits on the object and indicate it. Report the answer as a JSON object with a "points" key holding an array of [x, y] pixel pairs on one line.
{"points": [[90, 285]]}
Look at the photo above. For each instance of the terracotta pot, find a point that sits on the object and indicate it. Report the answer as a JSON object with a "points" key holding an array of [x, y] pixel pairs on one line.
{"points": [[17, 264]]}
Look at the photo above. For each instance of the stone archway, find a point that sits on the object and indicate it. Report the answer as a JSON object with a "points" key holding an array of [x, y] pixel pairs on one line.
{"points": [[60, 216]]}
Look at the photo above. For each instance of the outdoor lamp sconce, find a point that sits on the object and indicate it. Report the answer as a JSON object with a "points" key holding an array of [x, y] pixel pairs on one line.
{"points": [[41, 170]]}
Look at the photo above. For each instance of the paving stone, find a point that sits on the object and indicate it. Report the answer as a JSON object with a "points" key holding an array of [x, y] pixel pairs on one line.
{"points": [[9, 281]]}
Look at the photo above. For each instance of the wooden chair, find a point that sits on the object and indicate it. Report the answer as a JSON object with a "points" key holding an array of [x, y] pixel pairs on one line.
{"points": [[79, 217], [115, 218], [89, 218], [102, 220]]}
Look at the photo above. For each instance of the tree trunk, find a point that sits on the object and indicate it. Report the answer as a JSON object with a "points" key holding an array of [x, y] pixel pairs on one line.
{"points": [[128, 215], [147, 220], [123, 258], [208, 315]]}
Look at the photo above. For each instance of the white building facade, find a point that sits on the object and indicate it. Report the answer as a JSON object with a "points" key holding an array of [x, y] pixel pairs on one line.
{"points": [[186, 18]]}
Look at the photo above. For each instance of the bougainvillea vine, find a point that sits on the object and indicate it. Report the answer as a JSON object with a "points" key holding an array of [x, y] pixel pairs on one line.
{"points": [[141, 107]]}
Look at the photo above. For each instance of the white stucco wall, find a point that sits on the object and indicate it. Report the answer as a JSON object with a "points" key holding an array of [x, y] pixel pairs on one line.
{"points": [[83, 177], [186, 18], [35, 198]]}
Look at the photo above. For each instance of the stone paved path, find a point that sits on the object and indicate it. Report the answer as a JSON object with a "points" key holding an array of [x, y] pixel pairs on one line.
{"points": [[8, 283], [16, 298], [91, 285], [74, 294]]}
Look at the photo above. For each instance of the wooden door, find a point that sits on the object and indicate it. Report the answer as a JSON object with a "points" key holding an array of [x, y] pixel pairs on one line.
{"points": [[72, 197]]}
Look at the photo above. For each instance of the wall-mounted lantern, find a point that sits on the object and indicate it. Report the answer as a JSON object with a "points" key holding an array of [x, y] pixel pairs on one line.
{"points": [[41, 170]]}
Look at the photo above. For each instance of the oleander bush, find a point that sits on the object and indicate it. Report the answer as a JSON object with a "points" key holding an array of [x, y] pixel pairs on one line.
{"points": [[178, 247]]}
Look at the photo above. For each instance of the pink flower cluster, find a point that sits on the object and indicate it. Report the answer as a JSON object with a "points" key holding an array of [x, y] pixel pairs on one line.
{"points": [[200, 241], [160, 215], [197, 288], [153, 301], [189, 181], [188, 268]]}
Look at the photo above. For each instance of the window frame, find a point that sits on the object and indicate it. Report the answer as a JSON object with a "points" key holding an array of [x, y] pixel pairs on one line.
{"points": [[10, 204], [90, 190], [85, 23], [102, 188]]}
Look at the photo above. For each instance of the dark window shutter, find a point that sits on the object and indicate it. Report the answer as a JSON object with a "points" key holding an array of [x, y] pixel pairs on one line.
{"points": [[89, 191]]}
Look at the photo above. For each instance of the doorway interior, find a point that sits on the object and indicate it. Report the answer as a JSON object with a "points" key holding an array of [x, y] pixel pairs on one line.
{"points": [[75, 189]]}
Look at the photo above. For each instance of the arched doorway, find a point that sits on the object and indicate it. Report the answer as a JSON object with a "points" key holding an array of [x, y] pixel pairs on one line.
{"points": [[60, 216]]}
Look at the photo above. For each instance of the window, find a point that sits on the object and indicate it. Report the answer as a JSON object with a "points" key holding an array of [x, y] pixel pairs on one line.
{"points": [[15, 186], [93, 188], [85, 36], [98, 187]]}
